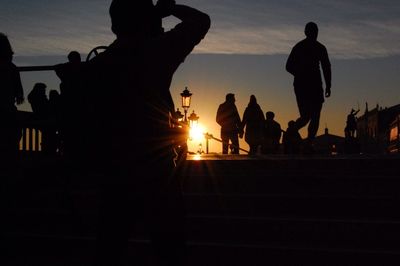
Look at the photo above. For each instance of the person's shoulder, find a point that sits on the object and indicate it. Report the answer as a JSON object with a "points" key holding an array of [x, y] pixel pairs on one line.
{"points": [[221, 105], [320, 45], [300, 43], [276, 123]]}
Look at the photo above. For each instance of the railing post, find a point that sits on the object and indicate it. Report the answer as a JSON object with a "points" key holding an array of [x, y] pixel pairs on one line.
{"points": [[30, 142], [37, 147], [24, 146]]}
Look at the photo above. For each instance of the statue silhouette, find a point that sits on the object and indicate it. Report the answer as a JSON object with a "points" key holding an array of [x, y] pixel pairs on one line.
{"points": [[351, 124], [229, 120], [253, 121], [304, 64], [131, 106]]}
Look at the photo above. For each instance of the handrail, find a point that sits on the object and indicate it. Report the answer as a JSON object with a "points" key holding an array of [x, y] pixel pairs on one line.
{"points": [[210, 136], [36, 68]]}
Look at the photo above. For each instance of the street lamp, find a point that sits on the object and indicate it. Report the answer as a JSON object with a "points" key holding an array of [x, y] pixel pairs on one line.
{"points": [[186, 98], [193, 119], [178, 115]]}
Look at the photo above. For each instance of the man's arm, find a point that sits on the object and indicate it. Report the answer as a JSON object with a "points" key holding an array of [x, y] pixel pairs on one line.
{"points": [[290, 64], [18, 90], [194, 17], [218, 118], [180, 41], [326, 69]]}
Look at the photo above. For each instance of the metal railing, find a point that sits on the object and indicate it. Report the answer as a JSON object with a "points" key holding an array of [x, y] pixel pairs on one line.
{"points": [[31, 133], [209, 136]]}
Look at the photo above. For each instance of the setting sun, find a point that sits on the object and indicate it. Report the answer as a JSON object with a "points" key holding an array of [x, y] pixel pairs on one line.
{"points": [[196, 133]]}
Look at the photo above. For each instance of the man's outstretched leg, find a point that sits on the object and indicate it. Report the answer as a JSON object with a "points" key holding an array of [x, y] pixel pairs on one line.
{"points": [[312, 128]]}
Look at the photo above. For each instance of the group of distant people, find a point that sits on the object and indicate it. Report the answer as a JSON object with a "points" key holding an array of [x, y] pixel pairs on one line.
{"points": [[59, 115], [259, 132], [304, 63], [262, 133]]}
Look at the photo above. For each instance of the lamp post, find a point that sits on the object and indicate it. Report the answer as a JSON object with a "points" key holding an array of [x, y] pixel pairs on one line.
{"points": [[193, 119], [186, 98], [178, 115]]}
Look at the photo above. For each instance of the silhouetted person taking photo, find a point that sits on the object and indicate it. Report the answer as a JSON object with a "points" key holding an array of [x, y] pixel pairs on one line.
{"points": [[231, 126], [132, 144], [304, 64]]}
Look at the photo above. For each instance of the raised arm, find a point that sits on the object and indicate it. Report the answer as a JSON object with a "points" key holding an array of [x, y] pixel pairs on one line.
{"points": [[194, 17], [186, 14], [180, 41]]}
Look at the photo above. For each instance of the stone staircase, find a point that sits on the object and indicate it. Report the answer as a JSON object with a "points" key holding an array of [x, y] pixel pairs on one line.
{"points": [[241, 211]]}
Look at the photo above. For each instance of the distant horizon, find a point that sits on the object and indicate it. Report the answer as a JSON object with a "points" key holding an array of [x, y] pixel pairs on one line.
{"points": [[210, 76], [244, 52]]}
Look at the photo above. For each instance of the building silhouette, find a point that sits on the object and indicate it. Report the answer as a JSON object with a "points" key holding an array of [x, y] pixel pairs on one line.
{"points": [[394, 136], [373, 128], [329, 144]]}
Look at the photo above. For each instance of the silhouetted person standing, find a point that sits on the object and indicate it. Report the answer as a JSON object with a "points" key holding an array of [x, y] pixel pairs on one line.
{"points": [[272, 133], [229, 120], [11, 94], [291, 139], [54, 141], [132, 145], [40, 108], [39, 101], [73, 101], [252, 124], [304, 64]]}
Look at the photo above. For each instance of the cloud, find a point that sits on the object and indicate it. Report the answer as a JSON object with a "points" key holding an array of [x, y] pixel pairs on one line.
{"points": [[349, 29]]}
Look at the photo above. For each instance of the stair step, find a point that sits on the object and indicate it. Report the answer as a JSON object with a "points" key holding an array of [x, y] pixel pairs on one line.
{"points": [[46, 250]]}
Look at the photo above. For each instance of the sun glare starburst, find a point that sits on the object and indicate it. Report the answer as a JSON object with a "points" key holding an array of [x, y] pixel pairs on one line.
{"points": [[196, 133]]}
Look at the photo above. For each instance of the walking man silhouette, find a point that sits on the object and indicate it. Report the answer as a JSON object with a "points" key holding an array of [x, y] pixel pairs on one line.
{"points": [[304, 64], [132, 144]]}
